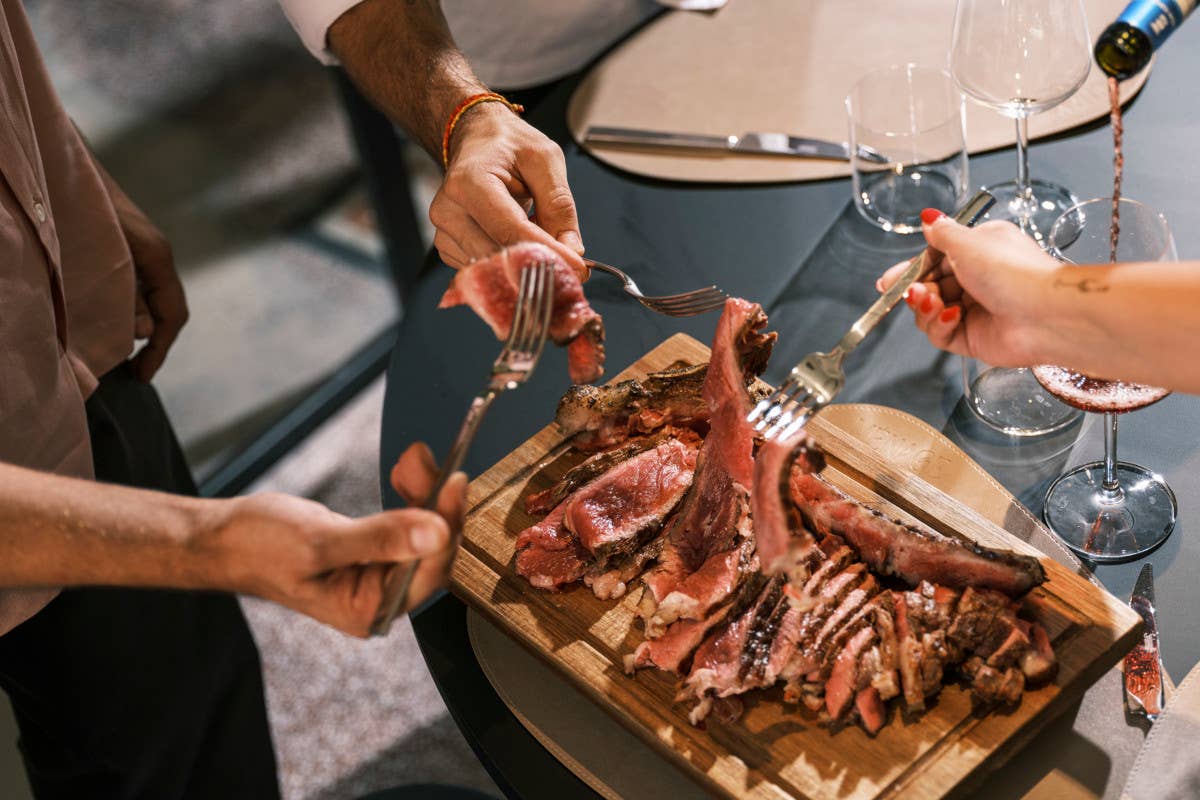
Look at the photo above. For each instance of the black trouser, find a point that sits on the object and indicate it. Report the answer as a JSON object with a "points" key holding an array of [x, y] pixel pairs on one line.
{"points": [[124, 693]]}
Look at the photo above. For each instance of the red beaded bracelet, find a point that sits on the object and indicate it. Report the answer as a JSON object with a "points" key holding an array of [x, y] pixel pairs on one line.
{"points": [[473, 100]]}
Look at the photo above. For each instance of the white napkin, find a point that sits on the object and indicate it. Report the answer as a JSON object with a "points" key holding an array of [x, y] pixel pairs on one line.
{"points": [[693, 5], [1168, 767]]}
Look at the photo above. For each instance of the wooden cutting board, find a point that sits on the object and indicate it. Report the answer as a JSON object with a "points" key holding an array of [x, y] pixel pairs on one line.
{"points": [[776, 750]]}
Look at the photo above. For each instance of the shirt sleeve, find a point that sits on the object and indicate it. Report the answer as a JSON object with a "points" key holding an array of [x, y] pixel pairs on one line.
{"points": [[312, 18]]}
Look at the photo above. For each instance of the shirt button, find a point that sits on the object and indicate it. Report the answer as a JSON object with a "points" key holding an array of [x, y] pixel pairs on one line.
{"points": [[39, 211]]}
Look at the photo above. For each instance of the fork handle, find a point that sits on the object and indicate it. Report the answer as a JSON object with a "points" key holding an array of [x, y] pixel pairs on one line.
{"points": [[968, 215], [399, 577]]}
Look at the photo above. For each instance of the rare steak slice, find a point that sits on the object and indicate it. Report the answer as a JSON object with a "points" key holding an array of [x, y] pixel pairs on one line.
{"points": [[613, 515], [490, 288], [608, 515], [783, 542], [599, 463], [549, 555], [913, 554], [703, 557]]}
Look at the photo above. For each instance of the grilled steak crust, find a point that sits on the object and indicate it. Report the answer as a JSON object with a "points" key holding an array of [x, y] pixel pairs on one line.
{"points": [[914, 554], [601, 416]]}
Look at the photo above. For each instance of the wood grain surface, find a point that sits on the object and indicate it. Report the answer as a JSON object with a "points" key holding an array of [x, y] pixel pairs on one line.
{"points": [[776, 750]]}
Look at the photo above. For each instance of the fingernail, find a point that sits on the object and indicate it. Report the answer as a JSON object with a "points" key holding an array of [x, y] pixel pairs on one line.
{"points": [[950, 314], [927, 305], [931, 215], [571, 239], [908, 298], [426, 539], [879, 284]]}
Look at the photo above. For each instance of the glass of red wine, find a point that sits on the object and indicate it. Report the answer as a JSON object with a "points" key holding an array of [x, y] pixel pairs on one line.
{"points": [[1108, 510]]}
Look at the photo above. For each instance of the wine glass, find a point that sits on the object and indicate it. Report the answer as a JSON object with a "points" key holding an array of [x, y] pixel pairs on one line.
{"points": [[1022, 57], [1108, 510]]}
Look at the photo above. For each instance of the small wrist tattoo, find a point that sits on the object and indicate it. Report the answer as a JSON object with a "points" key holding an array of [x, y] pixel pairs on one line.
{"points": [[1082, 285]]}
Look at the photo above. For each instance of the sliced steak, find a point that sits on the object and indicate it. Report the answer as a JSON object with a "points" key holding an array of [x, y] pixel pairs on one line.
{"points": [[608, 514], [549, 555], [913, 554], [490, 288], [784, 544], [610, 581], [842, 685], [599, 463], [707, 538], [601, 416]]}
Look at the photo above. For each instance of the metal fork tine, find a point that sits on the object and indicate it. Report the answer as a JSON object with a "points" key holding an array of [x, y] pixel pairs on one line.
{"points": [[702, 296], [693, 310], [684, 297], [772, 399], [516, 332], [527, 301], [544, 298]]}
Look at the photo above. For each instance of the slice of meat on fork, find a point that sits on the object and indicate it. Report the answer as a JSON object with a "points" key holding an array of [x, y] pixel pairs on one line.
{"points": [[490, 287]]}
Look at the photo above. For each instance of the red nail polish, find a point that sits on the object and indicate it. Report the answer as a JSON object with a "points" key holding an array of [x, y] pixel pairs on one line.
{"points": [[927, 305], [931, 215], [951, 314]]}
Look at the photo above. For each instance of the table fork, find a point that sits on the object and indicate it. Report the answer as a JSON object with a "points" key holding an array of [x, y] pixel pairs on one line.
{"points": [[686, 304], [518, 357], [815, 381]]}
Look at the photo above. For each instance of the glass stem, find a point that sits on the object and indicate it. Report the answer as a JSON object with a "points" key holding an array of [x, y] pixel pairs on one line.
{"points": [[1110, 488], [1024, 187]]}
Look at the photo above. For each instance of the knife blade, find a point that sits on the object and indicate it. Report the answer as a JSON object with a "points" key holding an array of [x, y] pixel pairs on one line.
{"points": [[1143, 664], [766, 143]]}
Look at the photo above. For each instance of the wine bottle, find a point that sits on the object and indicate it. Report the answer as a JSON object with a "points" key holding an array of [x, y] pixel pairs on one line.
{"points": [[1125, 47]]}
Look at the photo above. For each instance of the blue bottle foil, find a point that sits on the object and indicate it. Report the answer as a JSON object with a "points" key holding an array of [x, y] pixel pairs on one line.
{"points": [[1158, 19]]}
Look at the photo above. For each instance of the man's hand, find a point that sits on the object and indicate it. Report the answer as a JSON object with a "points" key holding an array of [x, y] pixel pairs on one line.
{"points": [[160, 309], [302, 555], [500, 168]]}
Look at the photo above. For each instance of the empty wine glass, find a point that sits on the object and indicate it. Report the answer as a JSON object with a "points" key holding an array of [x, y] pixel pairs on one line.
{"points": [[1108, 510], [1022, 57]]}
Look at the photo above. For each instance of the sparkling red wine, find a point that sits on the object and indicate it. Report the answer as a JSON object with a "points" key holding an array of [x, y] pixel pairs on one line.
{"points": [[1094, 394], [1118, 130]]}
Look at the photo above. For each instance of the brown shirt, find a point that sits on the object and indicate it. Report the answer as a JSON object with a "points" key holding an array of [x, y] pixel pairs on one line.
{"points": [[66, 279]]}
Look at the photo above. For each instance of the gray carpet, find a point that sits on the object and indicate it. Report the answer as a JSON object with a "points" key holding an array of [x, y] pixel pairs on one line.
{"points": [[230, 136]]}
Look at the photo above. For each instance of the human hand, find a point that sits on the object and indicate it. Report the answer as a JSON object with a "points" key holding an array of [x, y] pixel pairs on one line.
{"points": [[302, 555], [500, 167], [160, 309], [983, 298]]}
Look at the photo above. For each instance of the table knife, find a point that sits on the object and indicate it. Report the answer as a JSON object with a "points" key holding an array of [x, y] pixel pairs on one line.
{"points": [[779, 144], [1143, 664]]}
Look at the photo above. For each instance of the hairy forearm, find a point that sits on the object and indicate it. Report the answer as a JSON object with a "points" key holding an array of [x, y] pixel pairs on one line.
{"points": [[1137, 322], [401, 55], [57, 531]]}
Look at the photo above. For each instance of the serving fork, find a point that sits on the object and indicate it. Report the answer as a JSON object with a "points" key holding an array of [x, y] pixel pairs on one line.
{"points": [[518, 357], [685, 304], [818, 378]]}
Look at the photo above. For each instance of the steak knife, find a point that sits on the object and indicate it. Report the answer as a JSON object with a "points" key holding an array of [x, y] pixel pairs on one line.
{"points": [[1143, 664], [766, 143]]}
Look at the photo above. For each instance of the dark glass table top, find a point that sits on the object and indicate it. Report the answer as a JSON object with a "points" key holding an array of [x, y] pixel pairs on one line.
{"points": [[802, 251]]}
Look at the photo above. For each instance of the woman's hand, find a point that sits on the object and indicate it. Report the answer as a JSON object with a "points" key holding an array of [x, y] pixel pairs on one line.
{"points": [[984, 298]]}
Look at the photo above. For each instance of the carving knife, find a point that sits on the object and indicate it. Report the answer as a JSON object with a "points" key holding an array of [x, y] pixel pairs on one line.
{"points": [[1143, 664], [779, 144]]}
